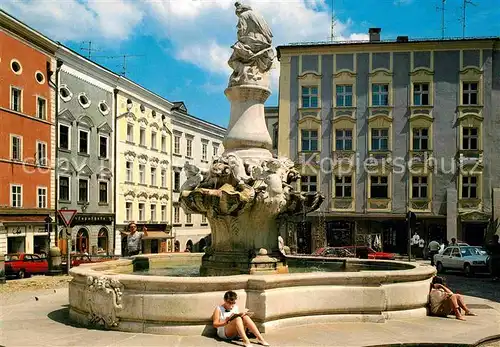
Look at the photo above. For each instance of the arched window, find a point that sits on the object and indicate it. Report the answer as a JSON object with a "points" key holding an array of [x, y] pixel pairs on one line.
{"points": [[177, 246], [82, 241], [189, 246], [102, 241], [201, 245]]}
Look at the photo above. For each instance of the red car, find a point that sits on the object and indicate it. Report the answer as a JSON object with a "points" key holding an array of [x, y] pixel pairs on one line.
{"points": [[349, 251], [24, 265]]}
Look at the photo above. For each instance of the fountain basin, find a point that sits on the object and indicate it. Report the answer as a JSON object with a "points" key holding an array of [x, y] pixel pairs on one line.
{"points": [[110, 294]]}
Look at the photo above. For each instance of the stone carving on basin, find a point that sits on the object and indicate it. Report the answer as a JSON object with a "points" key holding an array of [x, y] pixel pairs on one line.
{"points": [[104, 297], [246, 189]]}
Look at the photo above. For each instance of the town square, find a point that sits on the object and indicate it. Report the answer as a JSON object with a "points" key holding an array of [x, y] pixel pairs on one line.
{"points": [[314, 186]]}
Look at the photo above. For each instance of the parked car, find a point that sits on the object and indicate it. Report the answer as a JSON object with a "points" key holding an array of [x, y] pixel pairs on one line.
{"points": [[339, 252], [469, 259], [82, 258], [24, 265]]}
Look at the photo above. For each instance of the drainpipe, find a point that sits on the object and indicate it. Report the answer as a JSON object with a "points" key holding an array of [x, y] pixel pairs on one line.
{"points": [[56, 171], [115, 102]]}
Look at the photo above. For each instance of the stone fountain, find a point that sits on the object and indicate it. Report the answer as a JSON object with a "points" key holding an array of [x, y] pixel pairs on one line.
{"points": [[246, 189], [242, 194]]}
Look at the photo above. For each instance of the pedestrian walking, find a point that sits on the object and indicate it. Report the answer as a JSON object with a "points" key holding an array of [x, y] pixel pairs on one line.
{"points": [[433, 248]]}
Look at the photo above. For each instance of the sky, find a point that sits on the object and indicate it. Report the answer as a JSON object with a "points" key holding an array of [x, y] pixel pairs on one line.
{"points": [[179, 48]]}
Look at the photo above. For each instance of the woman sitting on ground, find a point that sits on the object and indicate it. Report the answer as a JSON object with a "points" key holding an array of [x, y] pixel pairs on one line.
{"points": [[444, 302], [231, 323]]}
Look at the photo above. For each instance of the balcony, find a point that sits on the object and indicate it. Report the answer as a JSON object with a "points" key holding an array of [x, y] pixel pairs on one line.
{"points": [[379, 204], [343, 204], [420, 205]]}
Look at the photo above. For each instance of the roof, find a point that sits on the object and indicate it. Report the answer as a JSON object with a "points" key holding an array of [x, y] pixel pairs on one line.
{"points": [[383, 42]]}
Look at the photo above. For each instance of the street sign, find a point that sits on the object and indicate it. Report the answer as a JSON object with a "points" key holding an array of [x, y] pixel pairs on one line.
{"points": [[67, 216]]}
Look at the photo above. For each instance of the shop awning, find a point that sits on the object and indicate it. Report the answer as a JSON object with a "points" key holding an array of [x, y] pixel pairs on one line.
{"points": [[23, 219], [157, 235]]}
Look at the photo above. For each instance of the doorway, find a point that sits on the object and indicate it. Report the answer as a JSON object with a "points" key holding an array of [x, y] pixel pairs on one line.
{"points": [[339, 233], [154, 246], [474, 233]]}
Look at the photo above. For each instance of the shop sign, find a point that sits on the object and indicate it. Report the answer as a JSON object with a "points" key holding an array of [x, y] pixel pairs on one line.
{"points": [[16, 231]]}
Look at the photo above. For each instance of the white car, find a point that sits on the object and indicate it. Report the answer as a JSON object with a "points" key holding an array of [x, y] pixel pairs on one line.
{"points": [[468, 259]]}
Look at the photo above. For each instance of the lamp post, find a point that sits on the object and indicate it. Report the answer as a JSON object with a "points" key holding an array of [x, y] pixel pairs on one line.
{"points": [[48, 227]]}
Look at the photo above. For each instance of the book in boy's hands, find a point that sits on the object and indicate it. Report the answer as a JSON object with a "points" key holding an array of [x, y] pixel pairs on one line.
{"points": [[241, 314]]}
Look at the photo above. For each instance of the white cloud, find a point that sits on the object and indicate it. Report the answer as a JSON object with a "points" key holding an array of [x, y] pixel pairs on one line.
{"points": [[200, 31]]}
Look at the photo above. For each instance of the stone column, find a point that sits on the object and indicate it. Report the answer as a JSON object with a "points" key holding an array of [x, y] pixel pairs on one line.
{"points": [[451, 213]]}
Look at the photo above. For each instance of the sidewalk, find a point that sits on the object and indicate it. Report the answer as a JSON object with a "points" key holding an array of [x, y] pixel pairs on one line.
{"points": [[26, 321]]}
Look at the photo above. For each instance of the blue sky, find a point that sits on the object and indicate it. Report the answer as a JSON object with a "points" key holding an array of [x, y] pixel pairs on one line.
{"points": [[181, 46]]}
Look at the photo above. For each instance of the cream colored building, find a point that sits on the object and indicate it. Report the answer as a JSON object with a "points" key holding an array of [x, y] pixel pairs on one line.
{"points": [[144, 167]]}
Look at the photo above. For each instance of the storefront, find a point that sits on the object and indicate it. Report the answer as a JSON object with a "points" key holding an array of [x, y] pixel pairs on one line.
{"points": [[158, 240], [24, 234]]}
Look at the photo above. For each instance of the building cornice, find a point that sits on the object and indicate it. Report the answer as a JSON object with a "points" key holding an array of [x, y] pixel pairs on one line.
{"points": [[198, 125]]}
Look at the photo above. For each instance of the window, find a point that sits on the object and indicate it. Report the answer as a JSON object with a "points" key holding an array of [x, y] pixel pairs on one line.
{"points": [[309, 97], [16, 67], [16, 195], [64, 188], [203, 219], [40, 78], [163, 178], [163, 143], [470, 138], [177, 217], [83, 141], [142, 174], [84, 100], [343, 187], [215, 149], [65, 93], [380, 139], [204, 148], [64, 137], [344, 95], [153, 212], [83, 190], [188, 218], [177, 181], [163, 213], [103, 108], [153, 176], [177, 144], [128, 211], [41, 108], [419, 187], [41, 153], [103, 146], [103, 192], [379, 187], [308, 183], [142, 137], [142, 213], [16, 147], [153, 139], [421, 94], [42, 197], [447, 251], [189, 148], [309, 140], [469, 93], [130, 171], [380, 94], [16, 99], [343, 140], [469, 187], [420, 139], [130, 133]]}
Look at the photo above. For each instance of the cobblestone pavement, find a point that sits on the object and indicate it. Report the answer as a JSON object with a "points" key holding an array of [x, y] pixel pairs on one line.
{"points": [[34, 282]]}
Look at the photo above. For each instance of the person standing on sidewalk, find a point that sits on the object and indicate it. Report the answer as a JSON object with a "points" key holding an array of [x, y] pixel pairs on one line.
{"points": [[134, 239], [434, 247]]}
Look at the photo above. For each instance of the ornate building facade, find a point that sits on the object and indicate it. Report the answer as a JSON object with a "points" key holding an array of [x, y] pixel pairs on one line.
{"points": [[27, 117], [144, 167], [387, 127]]}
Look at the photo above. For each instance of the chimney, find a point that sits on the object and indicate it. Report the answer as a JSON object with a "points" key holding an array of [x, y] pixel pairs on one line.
{"points": [[402, 39], [374, 34]]}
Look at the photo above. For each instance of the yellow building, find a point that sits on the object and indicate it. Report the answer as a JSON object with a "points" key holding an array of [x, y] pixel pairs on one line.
{"points": [[143, 168]]}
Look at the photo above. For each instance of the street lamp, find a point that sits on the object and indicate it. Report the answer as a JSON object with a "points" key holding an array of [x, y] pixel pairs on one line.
{"points": [[48, 227]]}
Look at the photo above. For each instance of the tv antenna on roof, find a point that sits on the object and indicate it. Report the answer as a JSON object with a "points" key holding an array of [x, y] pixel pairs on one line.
{"points": [[124, 62], [89, 49], [442, 8], [464, 14]]}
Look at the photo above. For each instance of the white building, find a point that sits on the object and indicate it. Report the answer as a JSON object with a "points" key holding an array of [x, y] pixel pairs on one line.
{"points": [[195, 141]]}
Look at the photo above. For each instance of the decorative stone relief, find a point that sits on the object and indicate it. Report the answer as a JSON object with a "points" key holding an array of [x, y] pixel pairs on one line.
{"points": [[129, 195], [130, 155], [143, 158], [164, 163], [154, 161], [104, 298], [142, 196], [143, 121]]}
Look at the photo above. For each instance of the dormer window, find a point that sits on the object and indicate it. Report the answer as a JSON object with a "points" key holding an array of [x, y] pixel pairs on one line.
{"points": [[84, 100], [104, 108]]}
